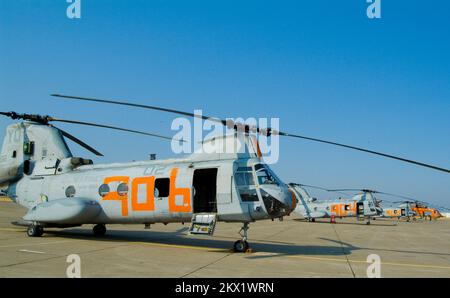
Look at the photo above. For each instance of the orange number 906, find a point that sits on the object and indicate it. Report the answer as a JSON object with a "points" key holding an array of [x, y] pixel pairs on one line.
{"points": [[149, 204]]}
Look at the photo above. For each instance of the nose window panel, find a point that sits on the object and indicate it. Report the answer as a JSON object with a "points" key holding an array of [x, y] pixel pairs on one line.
{"points": [[264, 175], [248, 195]]}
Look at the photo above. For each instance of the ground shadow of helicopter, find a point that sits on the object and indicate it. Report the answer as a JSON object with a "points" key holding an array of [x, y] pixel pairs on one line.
{"points": [[349, 223], [351, 247], [272, 248]]}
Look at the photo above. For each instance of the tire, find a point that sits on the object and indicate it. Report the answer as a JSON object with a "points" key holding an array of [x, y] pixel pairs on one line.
{"points": [[35, 231], [40, 231], [99, 230], [240, 246]]}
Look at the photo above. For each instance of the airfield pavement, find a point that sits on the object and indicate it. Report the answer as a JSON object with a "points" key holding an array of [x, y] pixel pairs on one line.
{"points": [[291, 248]]}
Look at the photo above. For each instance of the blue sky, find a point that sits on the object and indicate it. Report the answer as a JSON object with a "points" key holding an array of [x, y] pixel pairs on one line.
{"points": [[322, 67]]}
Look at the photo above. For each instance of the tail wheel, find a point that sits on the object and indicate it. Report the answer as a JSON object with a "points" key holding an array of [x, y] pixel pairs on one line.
{"points": [[35, 231], [241, 246]]}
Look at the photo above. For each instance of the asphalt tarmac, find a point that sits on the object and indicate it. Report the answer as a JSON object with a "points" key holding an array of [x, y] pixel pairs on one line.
{"points": [[289, 248]]}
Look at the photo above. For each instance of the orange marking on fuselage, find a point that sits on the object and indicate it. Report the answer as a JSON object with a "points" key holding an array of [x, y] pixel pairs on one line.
{"points": [[114, 195], [149, 204], [174, 192]]}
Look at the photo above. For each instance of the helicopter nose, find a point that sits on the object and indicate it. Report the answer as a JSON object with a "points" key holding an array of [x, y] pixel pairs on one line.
{"points": [[290, 200], [277, 199]]}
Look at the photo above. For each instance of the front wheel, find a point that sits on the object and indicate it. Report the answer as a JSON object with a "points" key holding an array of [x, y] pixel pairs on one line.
{"points": [[241, 246]]}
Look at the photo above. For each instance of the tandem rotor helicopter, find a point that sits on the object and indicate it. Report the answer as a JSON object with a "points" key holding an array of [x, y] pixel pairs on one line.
{"points": [[38, 171], [362, 206]]}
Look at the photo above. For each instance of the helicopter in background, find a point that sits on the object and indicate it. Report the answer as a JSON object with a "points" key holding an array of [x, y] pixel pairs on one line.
{"points": [[362, 206], [400, 211], [421, 210]]}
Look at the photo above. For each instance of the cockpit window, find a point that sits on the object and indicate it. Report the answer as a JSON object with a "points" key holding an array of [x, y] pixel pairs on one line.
{"points": [[259, 167], [244, 169], [244, 178], [264, 175]]}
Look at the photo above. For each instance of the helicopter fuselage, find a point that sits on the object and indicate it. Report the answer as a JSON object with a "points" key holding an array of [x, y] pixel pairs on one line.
{"points": [[149, 192]]}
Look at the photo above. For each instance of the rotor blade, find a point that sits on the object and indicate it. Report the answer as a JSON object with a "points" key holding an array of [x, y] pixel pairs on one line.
{"points": [[78, 141], [320, 188], [367, 151], [394, 195], [140, 106], [265, 131], [377, 192], [110, 127], [353, 189]]}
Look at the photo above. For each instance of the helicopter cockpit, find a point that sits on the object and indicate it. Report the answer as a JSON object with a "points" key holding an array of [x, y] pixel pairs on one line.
{"points": [[258, 183]]}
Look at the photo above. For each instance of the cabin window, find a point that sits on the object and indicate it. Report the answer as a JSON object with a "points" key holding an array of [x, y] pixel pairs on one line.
{"points": [[122, 189], [162, 187], [70, 191], [14, 154], [103, 190], [347, 207]]}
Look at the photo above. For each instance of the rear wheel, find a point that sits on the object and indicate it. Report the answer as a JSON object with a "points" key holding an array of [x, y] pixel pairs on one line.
{"points": [[99, 230], [35, 231]]}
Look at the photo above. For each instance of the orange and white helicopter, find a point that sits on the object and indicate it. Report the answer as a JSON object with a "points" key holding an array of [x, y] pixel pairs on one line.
{"points": [[38, 171]]}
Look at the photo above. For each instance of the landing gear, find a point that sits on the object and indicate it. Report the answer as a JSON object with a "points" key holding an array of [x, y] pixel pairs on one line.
{"points": [[35, 231], [99, 230], [242, 245]]}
